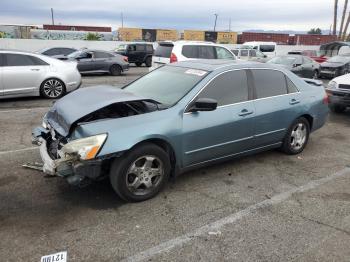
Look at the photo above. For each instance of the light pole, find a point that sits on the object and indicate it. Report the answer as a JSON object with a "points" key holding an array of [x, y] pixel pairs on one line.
{"points": [[52, 19], [216, 17], [122, 17]]}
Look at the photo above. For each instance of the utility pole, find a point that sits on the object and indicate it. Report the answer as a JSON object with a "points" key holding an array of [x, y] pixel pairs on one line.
{"points": [[216, 17], [122, 17], [229, 25], [52, 19]]}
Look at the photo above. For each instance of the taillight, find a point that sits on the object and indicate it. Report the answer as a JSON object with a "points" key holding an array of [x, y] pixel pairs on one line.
{"points": [[173, 58], [326, 99], [125, 58]]}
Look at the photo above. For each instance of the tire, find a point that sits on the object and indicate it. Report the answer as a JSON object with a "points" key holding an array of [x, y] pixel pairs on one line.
{"points": [[138, 64], [316, 75], [141, 173], [52, 88], [148, 61], [337, 108], [115, 70], [297, 137]]}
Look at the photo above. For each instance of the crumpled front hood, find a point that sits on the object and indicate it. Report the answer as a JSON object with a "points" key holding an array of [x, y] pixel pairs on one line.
{"points": [[333, 65], [82, 102]]}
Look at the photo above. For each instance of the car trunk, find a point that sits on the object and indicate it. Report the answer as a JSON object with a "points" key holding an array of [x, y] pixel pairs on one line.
{"points": [[162, 54]]}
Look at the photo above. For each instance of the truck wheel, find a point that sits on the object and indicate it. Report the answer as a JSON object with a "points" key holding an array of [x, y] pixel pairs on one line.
{"points": [[297, 137], [141, 173], [138, 64], [115, 70], [337, 108], [148, 61]]}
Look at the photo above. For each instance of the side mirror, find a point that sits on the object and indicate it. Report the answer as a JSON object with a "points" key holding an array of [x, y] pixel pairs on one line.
{"points": [[296, 65], [204, 104]]}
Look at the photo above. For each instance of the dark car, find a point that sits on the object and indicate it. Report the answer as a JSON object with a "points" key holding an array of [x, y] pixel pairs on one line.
{"points": [[97, 61], [302, 66], [313, 54], [58, 52], [335, 66], [137, 53]]}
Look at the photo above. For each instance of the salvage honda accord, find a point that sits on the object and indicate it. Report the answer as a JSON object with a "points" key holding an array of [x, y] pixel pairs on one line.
{"points": [[178, 117]]}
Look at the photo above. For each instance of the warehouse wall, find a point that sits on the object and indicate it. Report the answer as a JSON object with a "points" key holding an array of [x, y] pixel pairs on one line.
{"points": [[36, 44]]}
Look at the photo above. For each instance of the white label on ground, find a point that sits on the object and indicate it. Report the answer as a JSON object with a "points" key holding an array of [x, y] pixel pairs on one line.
{"points": [[18, 150], [216, 225], [58, 257]]}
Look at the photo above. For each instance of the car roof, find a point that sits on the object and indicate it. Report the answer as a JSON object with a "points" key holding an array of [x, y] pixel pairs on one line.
{"points": [[16, 51], [215, 64]]}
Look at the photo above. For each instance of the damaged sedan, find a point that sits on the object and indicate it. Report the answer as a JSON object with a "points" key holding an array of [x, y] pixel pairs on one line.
{"points": [[176, 118]]}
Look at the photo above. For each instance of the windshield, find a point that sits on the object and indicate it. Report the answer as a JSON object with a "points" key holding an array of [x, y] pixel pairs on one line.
{"points": [[338, 59], [121, 48], [282, 60], [167, 84], [75, 54]]}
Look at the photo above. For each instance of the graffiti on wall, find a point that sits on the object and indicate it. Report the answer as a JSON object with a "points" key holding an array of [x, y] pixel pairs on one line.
{"points": [[68, 35], [14, 31]]}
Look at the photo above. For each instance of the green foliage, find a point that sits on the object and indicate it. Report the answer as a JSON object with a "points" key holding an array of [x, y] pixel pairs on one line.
{"points": [[315, 31], [92, 37]]}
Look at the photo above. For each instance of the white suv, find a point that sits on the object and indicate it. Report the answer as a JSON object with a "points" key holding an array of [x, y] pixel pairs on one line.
{"points": [[170, 52]]}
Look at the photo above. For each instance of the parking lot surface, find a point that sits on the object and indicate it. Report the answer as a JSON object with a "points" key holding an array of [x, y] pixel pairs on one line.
{"points": [[267, 207]]}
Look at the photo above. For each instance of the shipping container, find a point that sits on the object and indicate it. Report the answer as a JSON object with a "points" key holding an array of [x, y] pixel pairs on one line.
{"points": [[77, 28], [130, 34]]}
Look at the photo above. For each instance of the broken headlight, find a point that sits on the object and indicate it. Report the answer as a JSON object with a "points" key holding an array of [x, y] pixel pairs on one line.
{"points": [[87, 148]]}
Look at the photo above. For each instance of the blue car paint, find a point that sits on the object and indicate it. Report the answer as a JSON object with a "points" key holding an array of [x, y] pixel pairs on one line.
{"points": [[200, 137]]}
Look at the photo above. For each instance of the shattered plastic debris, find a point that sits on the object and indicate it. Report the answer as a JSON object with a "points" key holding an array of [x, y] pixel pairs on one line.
{"points": [[214, 233]]}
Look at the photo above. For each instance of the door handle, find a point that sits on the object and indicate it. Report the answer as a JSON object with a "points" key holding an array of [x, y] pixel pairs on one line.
{"points": [[293, 101], [35, 69], [245, 112]]}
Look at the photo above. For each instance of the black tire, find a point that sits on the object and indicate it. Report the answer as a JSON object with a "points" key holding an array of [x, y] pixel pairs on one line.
{"points": [[287, 146], [148, 61], [120, 173], [337, 108], [138, 64], [52, 88], [316, 74], [115, 70]]}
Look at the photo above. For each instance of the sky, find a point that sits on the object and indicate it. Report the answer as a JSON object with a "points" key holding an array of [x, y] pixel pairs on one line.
{"points": [[298, 15]]}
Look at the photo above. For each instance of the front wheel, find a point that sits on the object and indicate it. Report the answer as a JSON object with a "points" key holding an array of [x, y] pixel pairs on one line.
{"points": [[296, 137], [141, 173], [52, 88], [115, 70]]}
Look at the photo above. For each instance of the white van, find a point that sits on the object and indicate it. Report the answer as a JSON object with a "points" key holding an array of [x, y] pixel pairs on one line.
{"points": [[170, 52], [268, 48]]}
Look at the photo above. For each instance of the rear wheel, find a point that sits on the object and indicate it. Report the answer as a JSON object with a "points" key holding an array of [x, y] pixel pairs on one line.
{"points": [[148, 61], [141, 173], [52, 88], [296, 137], [138, 64], [337, 108], [115, 70]]}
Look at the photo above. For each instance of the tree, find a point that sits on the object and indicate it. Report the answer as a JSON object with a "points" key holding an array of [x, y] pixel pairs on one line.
{"points": [[315, 31], [342, 19], [335, 14], [92, 37]]}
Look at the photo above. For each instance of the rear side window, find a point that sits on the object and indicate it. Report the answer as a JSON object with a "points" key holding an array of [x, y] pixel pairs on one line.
{"points": [[267, 48], [269, 83], [198, 51], [23, 60], [290, 85], [102, 55], [164, 50], [66, 51], [244, 52], [149, 48], [227, 88], [52, 52]]}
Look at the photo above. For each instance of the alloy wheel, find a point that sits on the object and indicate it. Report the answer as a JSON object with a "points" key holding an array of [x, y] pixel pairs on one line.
{"points": [[144, 174], [53, 88], [298, 136]]}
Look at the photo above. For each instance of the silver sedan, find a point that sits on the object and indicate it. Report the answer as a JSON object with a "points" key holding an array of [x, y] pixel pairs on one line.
{"points": [[29, 74]]}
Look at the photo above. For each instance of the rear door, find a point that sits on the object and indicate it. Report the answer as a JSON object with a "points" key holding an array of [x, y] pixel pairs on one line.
{"points": [[162, 54], [277, 105], [22, 73], [226, 131], [101, 61]]}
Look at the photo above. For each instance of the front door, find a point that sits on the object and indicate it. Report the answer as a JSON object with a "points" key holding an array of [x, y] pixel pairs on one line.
{"points": [[85, 62], [226, 131]]}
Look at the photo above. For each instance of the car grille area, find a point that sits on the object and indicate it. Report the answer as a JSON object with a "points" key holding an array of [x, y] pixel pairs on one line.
{"points": [[342, 86]]}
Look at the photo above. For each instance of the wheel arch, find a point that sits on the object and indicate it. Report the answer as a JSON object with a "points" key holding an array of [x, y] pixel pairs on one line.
{"points": [[118, 65], [309, 118]]}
